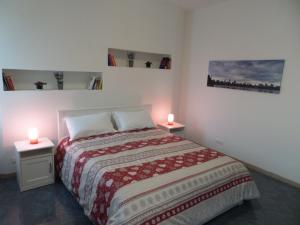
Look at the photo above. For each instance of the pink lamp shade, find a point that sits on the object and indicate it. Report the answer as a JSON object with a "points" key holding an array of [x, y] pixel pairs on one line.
{"points": [[33, 135], [170, 119]]}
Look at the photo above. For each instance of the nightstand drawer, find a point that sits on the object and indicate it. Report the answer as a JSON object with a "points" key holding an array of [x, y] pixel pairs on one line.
{"points": [[37, 172], [179, 133], [36, 154]]}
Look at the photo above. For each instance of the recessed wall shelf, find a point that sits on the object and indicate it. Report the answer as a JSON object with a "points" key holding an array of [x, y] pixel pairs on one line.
{"points": [[19, 79], [137, 59]]}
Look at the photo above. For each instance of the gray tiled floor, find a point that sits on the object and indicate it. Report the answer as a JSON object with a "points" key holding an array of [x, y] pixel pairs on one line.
{"points": [[279, 205]]}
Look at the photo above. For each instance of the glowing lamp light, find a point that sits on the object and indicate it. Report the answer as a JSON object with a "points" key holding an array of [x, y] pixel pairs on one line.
{"points": [[170, 119], [33, 135]]}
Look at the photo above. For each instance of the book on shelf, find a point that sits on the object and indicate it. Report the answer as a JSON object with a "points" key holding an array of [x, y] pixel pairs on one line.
{"points": [[8, 83], [96, 83], [91, 84], [114, 60], [165, 63], [101, 85], [111, 60], [5, 85]]}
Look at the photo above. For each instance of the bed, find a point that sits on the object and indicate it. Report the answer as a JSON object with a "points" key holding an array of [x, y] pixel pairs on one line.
{"points": [[148, 176]]}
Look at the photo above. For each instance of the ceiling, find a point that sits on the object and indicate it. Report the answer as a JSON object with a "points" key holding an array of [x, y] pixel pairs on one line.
{"points": [[195, 4]]}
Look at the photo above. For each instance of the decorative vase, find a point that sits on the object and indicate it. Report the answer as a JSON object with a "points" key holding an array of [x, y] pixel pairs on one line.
{"points": [[130, 63], [60, 80], [131, 57]]}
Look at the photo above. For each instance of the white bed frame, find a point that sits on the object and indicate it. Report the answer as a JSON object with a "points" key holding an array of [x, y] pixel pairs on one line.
{"points": [[61, 114]]}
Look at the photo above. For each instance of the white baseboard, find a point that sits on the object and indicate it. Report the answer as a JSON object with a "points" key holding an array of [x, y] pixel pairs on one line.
{"points": [[273, 175]]}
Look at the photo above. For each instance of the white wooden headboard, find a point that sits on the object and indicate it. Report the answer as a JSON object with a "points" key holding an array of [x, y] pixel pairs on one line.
{"points": [[61, 114]]}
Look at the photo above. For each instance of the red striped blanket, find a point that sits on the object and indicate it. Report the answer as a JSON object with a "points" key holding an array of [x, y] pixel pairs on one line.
{"points": [[149, 176]]}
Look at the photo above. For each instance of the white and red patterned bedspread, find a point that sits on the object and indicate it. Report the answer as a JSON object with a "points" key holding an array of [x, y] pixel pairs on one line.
{"points": [[149, 176]]}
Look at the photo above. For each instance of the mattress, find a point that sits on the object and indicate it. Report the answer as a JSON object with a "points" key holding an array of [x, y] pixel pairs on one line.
{"points": [[149, 176]]}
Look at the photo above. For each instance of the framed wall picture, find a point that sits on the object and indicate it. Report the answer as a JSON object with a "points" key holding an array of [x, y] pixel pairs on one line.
{"points": [[249, 75]]}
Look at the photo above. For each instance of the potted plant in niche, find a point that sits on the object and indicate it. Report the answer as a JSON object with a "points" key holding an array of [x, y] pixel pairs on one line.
{"points": [[40, 85], [148, 64]]}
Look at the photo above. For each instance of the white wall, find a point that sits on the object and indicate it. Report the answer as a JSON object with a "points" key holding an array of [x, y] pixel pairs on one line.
{"points": [[75, 35], [261, 129]]}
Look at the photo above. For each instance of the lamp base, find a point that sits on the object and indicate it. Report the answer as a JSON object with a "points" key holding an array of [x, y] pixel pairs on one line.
{"points": [[34, 141]]}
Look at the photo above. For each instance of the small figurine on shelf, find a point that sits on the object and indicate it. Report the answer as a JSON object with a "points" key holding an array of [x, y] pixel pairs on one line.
{"points": [[148, 64], [131, 57], [60, 80], [40, 85]]}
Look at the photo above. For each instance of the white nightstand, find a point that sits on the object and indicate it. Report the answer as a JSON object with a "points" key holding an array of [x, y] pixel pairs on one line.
{"points": [[35, 166], [176, 128]]}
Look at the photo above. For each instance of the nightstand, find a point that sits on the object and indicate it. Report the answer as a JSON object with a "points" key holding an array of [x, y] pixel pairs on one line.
{"points": [[34, 162], [176, 128]]}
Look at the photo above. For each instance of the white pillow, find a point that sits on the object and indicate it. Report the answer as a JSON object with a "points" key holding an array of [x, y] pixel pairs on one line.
{"points": [[87, 125], [132, 120]]}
